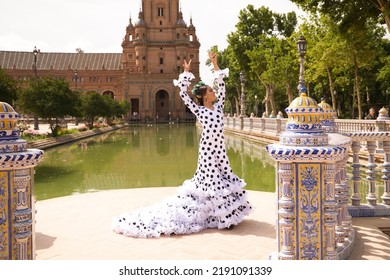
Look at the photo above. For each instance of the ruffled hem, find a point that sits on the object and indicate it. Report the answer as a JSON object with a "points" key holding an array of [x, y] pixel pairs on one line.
{"points": [[190, 211]]}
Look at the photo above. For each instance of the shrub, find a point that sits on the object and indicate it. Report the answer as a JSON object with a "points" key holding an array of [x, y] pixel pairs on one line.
{"points": [[32, 135]]}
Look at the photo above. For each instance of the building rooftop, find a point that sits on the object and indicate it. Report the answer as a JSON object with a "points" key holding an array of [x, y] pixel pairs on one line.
{"points": [[60, 61]]}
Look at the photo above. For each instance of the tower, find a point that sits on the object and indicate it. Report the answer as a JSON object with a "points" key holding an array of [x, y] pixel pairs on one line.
{"points": [[154, 49]]}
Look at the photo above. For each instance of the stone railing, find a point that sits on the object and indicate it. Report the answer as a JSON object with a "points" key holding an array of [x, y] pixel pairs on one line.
{"points": [[267, 128], [368, 191], [370, 155], [362, 125], [275, 126]]}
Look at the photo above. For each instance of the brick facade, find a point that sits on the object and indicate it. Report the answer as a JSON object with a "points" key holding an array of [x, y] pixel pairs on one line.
{"points": [[154, 47]]}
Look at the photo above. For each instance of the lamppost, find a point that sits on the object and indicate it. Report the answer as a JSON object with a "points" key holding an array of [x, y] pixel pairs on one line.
{"points": [[302, 51], [256, 106], [242, 100], [35, 53], [76, 77]]}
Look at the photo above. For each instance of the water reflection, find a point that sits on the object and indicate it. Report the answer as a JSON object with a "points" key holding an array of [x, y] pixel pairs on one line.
{"points": [[141, 157]]}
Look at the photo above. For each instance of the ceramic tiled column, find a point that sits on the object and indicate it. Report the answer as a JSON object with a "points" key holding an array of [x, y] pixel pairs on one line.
{"points": [[306, 162], [16, 195]]}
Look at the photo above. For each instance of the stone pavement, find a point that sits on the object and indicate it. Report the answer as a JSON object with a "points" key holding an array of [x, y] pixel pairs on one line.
{"points": [[78, 228]]}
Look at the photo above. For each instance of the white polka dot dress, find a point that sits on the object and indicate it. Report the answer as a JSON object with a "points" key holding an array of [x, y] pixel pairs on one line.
{"points": [[213, 198]]}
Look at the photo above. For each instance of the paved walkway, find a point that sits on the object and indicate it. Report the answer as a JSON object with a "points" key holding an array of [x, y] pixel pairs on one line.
{"points": [[78, 228]]}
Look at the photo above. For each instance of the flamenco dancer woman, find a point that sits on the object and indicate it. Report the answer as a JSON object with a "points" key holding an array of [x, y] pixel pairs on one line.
{"points": [[214, 197]]}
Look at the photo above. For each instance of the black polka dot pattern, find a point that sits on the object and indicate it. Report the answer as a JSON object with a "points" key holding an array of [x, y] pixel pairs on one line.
{"points": [[213, 198]]}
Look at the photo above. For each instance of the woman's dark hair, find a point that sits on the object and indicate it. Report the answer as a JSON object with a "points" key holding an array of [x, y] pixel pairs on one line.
{"points": [[199, 90], [199, 93]]}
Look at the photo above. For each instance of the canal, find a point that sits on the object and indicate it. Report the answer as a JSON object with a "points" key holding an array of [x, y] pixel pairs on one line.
{"points": [[143, 156]]}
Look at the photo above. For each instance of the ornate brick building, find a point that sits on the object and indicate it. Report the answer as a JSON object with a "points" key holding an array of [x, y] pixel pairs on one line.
{"points": [[153, 50]]}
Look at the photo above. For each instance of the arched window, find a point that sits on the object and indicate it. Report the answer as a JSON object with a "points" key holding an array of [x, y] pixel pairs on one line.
{"points": [[161, 60], [109, 93]]}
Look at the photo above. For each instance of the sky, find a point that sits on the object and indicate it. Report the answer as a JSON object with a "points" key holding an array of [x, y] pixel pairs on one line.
{"points": [[99, 25]]}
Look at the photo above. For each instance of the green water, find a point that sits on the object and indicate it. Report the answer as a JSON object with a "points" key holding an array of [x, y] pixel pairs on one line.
{"points": [[142, 157]]}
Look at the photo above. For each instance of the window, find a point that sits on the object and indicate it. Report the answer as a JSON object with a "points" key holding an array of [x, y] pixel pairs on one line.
{"points": [[161, 71], [161, 60], [160, 12]]}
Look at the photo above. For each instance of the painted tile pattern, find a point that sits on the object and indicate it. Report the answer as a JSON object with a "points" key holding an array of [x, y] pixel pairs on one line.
{"points": [[307, 168], [16, 202]]}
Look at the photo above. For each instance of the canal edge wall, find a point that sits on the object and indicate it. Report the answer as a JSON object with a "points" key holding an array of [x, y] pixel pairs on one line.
{"points": [[60, 140]]}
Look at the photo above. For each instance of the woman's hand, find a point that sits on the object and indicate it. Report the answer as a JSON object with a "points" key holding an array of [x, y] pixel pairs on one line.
{"points": [[214, 60], [187, 66], [213, 57]]}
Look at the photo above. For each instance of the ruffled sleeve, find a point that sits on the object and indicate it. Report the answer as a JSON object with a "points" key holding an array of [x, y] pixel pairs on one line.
{"points": [[183, 82], [218, 77]]}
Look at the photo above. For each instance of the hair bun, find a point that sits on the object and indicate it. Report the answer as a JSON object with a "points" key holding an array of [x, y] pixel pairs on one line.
{"points": [[196, 88]]}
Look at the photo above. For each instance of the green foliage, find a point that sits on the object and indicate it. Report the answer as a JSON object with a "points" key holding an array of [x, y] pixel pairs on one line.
{"points": [[347, 57], [347, 14], [8, 88], [50, 99], [95, 105], [261, 47], [32, 135], [341, 62], [384, 72]]}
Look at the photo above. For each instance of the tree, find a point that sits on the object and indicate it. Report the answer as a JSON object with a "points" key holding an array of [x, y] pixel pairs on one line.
{"points": [[363, 47], [341, 56], [383, 75], [260, 48], [50, 99], [95, 105], [116, 109], [8, 88], [326, 55], [350, 13]]}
